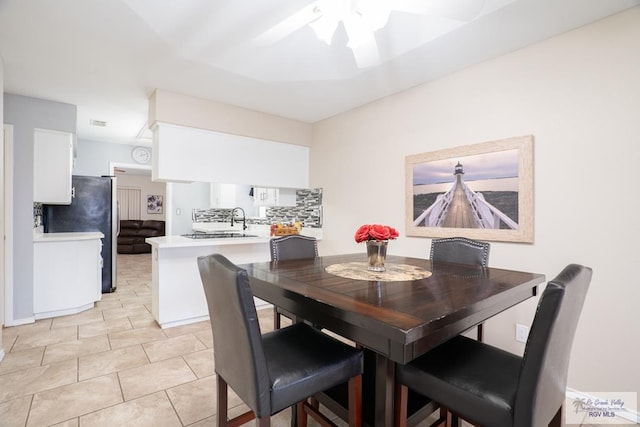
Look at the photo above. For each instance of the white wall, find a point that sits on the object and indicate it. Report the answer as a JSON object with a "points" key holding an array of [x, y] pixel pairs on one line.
{"points": [[147, 187], [94, 158], [579, 95], [2, 254], [25, 114]]}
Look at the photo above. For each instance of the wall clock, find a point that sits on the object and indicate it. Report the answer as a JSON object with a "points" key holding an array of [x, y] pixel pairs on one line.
{"points": [[141, 154]]}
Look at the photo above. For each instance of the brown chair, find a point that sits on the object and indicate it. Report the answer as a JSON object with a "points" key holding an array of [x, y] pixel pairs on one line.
{"points": [[276, 370], [463, 251], [491, 387], [286, 248]]}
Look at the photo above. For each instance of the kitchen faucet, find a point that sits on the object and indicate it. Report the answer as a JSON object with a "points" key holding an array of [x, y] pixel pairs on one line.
{"points": [[244, 217]]}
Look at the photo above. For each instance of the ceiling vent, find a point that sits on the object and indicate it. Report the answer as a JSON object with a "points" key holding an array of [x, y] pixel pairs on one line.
{"points": [[100, 123]]}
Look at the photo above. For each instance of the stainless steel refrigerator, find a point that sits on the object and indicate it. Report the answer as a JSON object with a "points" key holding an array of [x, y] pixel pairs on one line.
{"points": [[93, 207]]}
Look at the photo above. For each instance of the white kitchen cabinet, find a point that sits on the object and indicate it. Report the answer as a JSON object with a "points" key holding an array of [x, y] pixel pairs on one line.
{"points": [[67, 273], [223, 195], [265, 196], [184, 154], [52, 166]]}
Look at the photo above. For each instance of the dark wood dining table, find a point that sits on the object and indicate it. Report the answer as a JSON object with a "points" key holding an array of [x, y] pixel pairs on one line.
{"points": [[394, 321]]}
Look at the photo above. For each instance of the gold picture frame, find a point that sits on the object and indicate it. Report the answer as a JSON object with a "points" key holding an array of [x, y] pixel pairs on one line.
{"points": [[481, 191]]}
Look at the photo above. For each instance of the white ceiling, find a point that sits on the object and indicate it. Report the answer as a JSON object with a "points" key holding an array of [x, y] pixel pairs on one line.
{"points": [[107, 57]]}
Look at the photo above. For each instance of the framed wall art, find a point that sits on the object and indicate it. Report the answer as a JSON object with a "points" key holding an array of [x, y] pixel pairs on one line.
{"points": [[154, 204], [481, 191]]}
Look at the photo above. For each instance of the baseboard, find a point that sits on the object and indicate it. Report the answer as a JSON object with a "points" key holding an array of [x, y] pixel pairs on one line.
{"points": [[626, 413], [18, 322]]}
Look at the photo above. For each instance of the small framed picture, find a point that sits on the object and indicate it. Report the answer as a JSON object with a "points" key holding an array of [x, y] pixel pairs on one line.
{"points": [[154, 204]]}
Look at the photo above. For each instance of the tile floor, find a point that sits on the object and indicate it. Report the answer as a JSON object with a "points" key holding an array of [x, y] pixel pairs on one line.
{"points": [[113, 366]]}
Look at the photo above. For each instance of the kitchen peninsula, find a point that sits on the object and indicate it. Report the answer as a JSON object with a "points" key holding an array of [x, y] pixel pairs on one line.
{"points": [[176, 290]]}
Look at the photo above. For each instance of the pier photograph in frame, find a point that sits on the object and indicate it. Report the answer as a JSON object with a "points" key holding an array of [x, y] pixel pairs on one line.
{"points": [[481, 191]]}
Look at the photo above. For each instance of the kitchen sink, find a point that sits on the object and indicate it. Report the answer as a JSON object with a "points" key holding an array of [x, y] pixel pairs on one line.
{"points": [[217, 235]]}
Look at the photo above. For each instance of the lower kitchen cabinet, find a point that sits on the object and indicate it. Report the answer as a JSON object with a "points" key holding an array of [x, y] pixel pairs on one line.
{"points": [[67, 274]]}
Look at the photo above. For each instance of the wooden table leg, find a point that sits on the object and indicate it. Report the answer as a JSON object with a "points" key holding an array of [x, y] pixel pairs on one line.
{"points": [[384, 386]]}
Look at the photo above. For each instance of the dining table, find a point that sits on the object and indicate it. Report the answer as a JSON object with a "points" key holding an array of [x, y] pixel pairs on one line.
{"points": [[395, 315]]}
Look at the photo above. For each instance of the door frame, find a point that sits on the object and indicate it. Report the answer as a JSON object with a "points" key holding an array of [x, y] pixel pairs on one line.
{"points": [[7, 248]]}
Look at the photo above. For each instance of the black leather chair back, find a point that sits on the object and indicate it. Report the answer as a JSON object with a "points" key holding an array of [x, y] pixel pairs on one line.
{"points": [[293, 247], [543, 375], [460, 250], [239, 356]]}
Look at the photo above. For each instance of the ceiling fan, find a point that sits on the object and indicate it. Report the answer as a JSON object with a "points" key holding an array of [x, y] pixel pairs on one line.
{"points": [[361, 19]]}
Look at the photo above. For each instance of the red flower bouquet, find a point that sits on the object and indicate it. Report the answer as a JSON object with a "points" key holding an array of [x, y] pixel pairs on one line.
{"points": [[375, 232]]}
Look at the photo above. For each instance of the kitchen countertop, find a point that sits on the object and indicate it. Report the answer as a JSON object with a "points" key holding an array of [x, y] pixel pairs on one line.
{"points": [[71, 236], [261, 233], [185, 242]]}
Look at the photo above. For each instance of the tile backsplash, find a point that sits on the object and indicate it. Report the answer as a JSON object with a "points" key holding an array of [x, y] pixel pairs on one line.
{"points": [[308, 210], [37, 214]]}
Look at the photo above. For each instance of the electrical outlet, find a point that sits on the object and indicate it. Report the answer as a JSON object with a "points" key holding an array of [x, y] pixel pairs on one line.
{"points": [[522, 333]]}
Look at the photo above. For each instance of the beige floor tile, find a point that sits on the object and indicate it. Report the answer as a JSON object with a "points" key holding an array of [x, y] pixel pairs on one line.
{"points": [[74, 400], [7, 342], [69, 423], [73, 349], [154, 377], [206, 336], [143, 321], [172, 347], [42, 338], [134, 310], [153, 410], [38, 326], [99, 364], [89, 316], [135, 301], [33, 380], [196, 400], [105, 304], [188, 329], [202, 362], [105, 327], [14, 412], [135, 336], [17, 360]]}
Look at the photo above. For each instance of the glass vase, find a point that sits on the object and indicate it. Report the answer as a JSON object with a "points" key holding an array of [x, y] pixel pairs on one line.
{"points": [[376, 254]]}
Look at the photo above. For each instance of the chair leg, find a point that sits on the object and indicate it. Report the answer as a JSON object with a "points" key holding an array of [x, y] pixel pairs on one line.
{"points": [[264, 421], [400, 401], [480, 332], [276, 318], [301, 415], [355, 401], [557, 419], [222, 400], [222, 416]]}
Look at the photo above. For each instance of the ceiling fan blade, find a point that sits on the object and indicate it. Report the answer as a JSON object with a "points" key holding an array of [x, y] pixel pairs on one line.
{"points": [[460, 10], [287, 26], [367, 54]]}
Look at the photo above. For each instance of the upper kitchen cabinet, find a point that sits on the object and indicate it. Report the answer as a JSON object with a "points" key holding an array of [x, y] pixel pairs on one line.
{"points": [[184, 154], [52, 166]]}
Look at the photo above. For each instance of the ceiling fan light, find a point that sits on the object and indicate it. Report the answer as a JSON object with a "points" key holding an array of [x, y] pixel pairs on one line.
{"points": [[358, 31], [324, 27], [374, 13]]}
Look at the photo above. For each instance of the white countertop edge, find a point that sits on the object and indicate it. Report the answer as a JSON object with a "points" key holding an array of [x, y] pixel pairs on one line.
{"points": [[71, 236], [185, 242]]}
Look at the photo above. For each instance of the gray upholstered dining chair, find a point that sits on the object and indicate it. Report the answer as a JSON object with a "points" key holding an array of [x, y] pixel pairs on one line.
{"points": [[491, 387], [276, 370], [290, 247], [463, 251]]}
